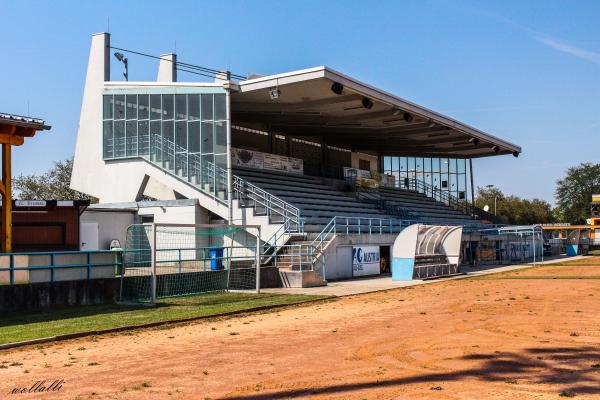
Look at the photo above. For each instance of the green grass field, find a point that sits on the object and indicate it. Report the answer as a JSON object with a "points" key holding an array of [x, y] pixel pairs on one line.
{"points": [[27, 326]]}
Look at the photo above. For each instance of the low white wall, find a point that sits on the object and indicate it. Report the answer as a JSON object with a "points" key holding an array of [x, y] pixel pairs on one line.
{"points": [[60, 274]]}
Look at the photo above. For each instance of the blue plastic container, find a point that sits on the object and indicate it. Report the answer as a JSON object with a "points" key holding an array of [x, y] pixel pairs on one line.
{"points": [[571, 250], [216, 258]]}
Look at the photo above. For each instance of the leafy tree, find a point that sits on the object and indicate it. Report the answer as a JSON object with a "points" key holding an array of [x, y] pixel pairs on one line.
{"points": [[53, 185], [513, 209], [574, 192]]}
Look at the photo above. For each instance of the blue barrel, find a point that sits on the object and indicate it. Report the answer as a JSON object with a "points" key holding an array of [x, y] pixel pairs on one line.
{"points": [[216, 258]]}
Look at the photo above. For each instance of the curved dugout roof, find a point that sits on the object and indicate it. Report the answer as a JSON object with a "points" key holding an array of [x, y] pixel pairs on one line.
{"points": [[358, 116]]}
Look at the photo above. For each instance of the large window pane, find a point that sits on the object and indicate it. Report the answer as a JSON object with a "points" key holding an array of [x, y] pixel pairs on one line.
{"points": [[132, 140], [220, 107], [193, 107], [180, 106], [107, 107], [221, 137], [108, 139], [194, 137], [119, 107], [131, 106], [144, 138], [143, 107], [167, 106], [155, 106], [207, 107], [461, 166], [168, 145], [119, 129], [181, 136], [207, 137], [155, 141]]}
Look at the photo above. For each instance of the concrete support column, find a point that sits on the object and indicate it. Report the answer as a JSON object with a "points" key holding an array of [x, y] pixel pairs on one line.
{"points": [[167, 68], [88, 149]]}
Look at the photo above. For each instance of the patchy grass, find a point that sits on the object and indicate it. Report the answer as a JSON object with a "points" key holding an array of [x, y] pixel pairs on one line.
{"points": [[27, 326]]}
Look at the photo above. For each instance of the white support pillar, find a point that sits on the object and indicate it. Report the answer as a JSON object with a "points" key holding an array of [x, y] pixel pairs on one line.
{"points": [[88, 148], [167, 68]]}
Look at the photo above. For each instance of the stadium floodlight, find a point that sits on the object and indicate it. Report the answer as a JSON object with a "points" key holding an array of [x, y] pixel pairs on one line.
{"points": [[515, 154], [495, 149], [337, 88], [274, 93], [123, 59], [367, 103], [408, 117]]}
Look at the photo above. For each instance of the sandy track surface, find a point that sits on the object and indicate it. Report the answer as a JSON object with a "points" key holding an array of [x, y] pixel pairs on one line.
{"points": [[558, 271], [463, 339]]}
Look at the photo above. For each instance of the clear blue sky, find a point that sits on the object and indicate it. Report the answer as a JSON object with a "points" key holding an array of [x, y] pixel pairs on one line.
{"points": [[526, 71]]}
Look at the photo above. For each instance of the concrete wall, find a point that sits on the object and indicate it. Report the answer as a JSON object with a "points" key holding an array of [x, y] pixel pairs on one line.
{"points": [[106, 267], [44, 296], [338, 254], [372, 159]]}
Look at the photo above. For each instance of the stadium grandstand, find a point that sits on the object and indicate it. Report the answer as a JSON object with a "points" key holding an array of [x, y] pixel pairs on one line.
{"points": [[322, 162]]}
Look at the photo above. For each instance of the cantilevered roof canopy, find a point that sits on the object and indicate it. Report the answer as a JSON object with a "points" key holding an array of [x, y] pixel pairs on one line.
{"points": [[342, 111]]}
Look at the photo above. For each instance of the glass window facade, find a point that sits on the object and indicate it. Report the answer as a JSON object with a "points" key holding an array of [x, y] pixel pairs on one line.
{"points": [[437, 175], [185, 134]]}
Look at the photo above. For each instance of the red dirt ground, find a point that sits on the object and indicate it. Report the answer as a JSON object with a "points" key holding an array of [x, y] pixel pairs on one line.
{"points": [[461, 339]]}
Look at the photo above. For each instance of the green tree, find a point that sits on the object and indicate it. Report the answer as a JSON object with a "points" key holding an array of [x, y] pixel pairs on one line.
{"points": [[514, 210], [53, 185], [574, 192]]}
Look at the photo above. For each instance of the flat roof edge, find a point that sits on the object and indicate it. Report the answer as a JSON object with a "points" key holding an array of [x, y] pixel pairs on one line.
{"points": [[375, 93]]}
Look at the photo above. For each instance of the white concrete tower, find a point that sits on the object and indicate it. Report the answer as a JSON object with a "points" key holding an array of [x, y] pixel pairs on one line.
{"points": [[88, 147], [167, 68]]}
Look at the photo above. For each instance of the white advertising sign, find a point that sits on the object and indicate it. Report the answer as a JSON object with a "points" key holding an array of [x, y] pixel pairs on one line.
{"points": [[359, 173], [274, 162], [365, 260]]}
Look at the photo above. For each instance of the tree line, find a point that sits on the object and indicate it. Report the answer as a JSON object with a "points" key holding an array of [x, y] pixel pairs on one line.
{"points": [[573, 194]]}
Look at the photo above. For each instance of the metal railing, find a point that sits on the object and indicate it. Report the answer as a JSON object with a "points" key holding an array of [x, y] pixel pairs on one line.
{"points": [[445, 197], [273, 206], [300, 257], [357, 225], [207, 173], [60, 261]]}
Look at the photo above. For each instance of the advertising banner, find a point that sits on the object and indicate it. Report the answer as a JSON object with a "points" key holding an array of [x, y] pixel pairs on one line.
{"points": [[259, 160], [365, 260], [357, 173]]}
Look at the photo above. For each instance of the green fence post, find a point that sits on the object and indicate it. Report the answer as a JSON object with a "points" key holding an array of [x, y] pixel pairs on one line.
{"points": [[51, 267], [89, 268], [12, 269]]}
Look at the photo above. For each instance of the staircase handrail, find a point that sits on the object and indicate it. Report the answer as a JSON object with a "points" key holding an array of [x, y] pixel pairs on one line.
{"points": [[292, 222]]}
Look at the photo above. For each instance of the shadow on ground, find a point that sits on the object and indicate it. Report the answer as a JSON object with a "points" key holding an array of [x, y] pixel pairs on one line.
{"points": [[575, 370]]}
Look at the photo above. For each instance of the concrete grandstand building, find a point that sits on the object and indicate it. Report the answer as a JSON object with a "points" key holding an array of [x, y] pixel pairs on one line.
{"points": [[312, 156]]}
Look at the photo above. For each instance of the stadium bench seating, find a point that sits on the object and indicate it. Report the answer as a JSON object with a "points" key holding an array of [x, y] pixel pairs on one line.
{"points": [[319, 202]]}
